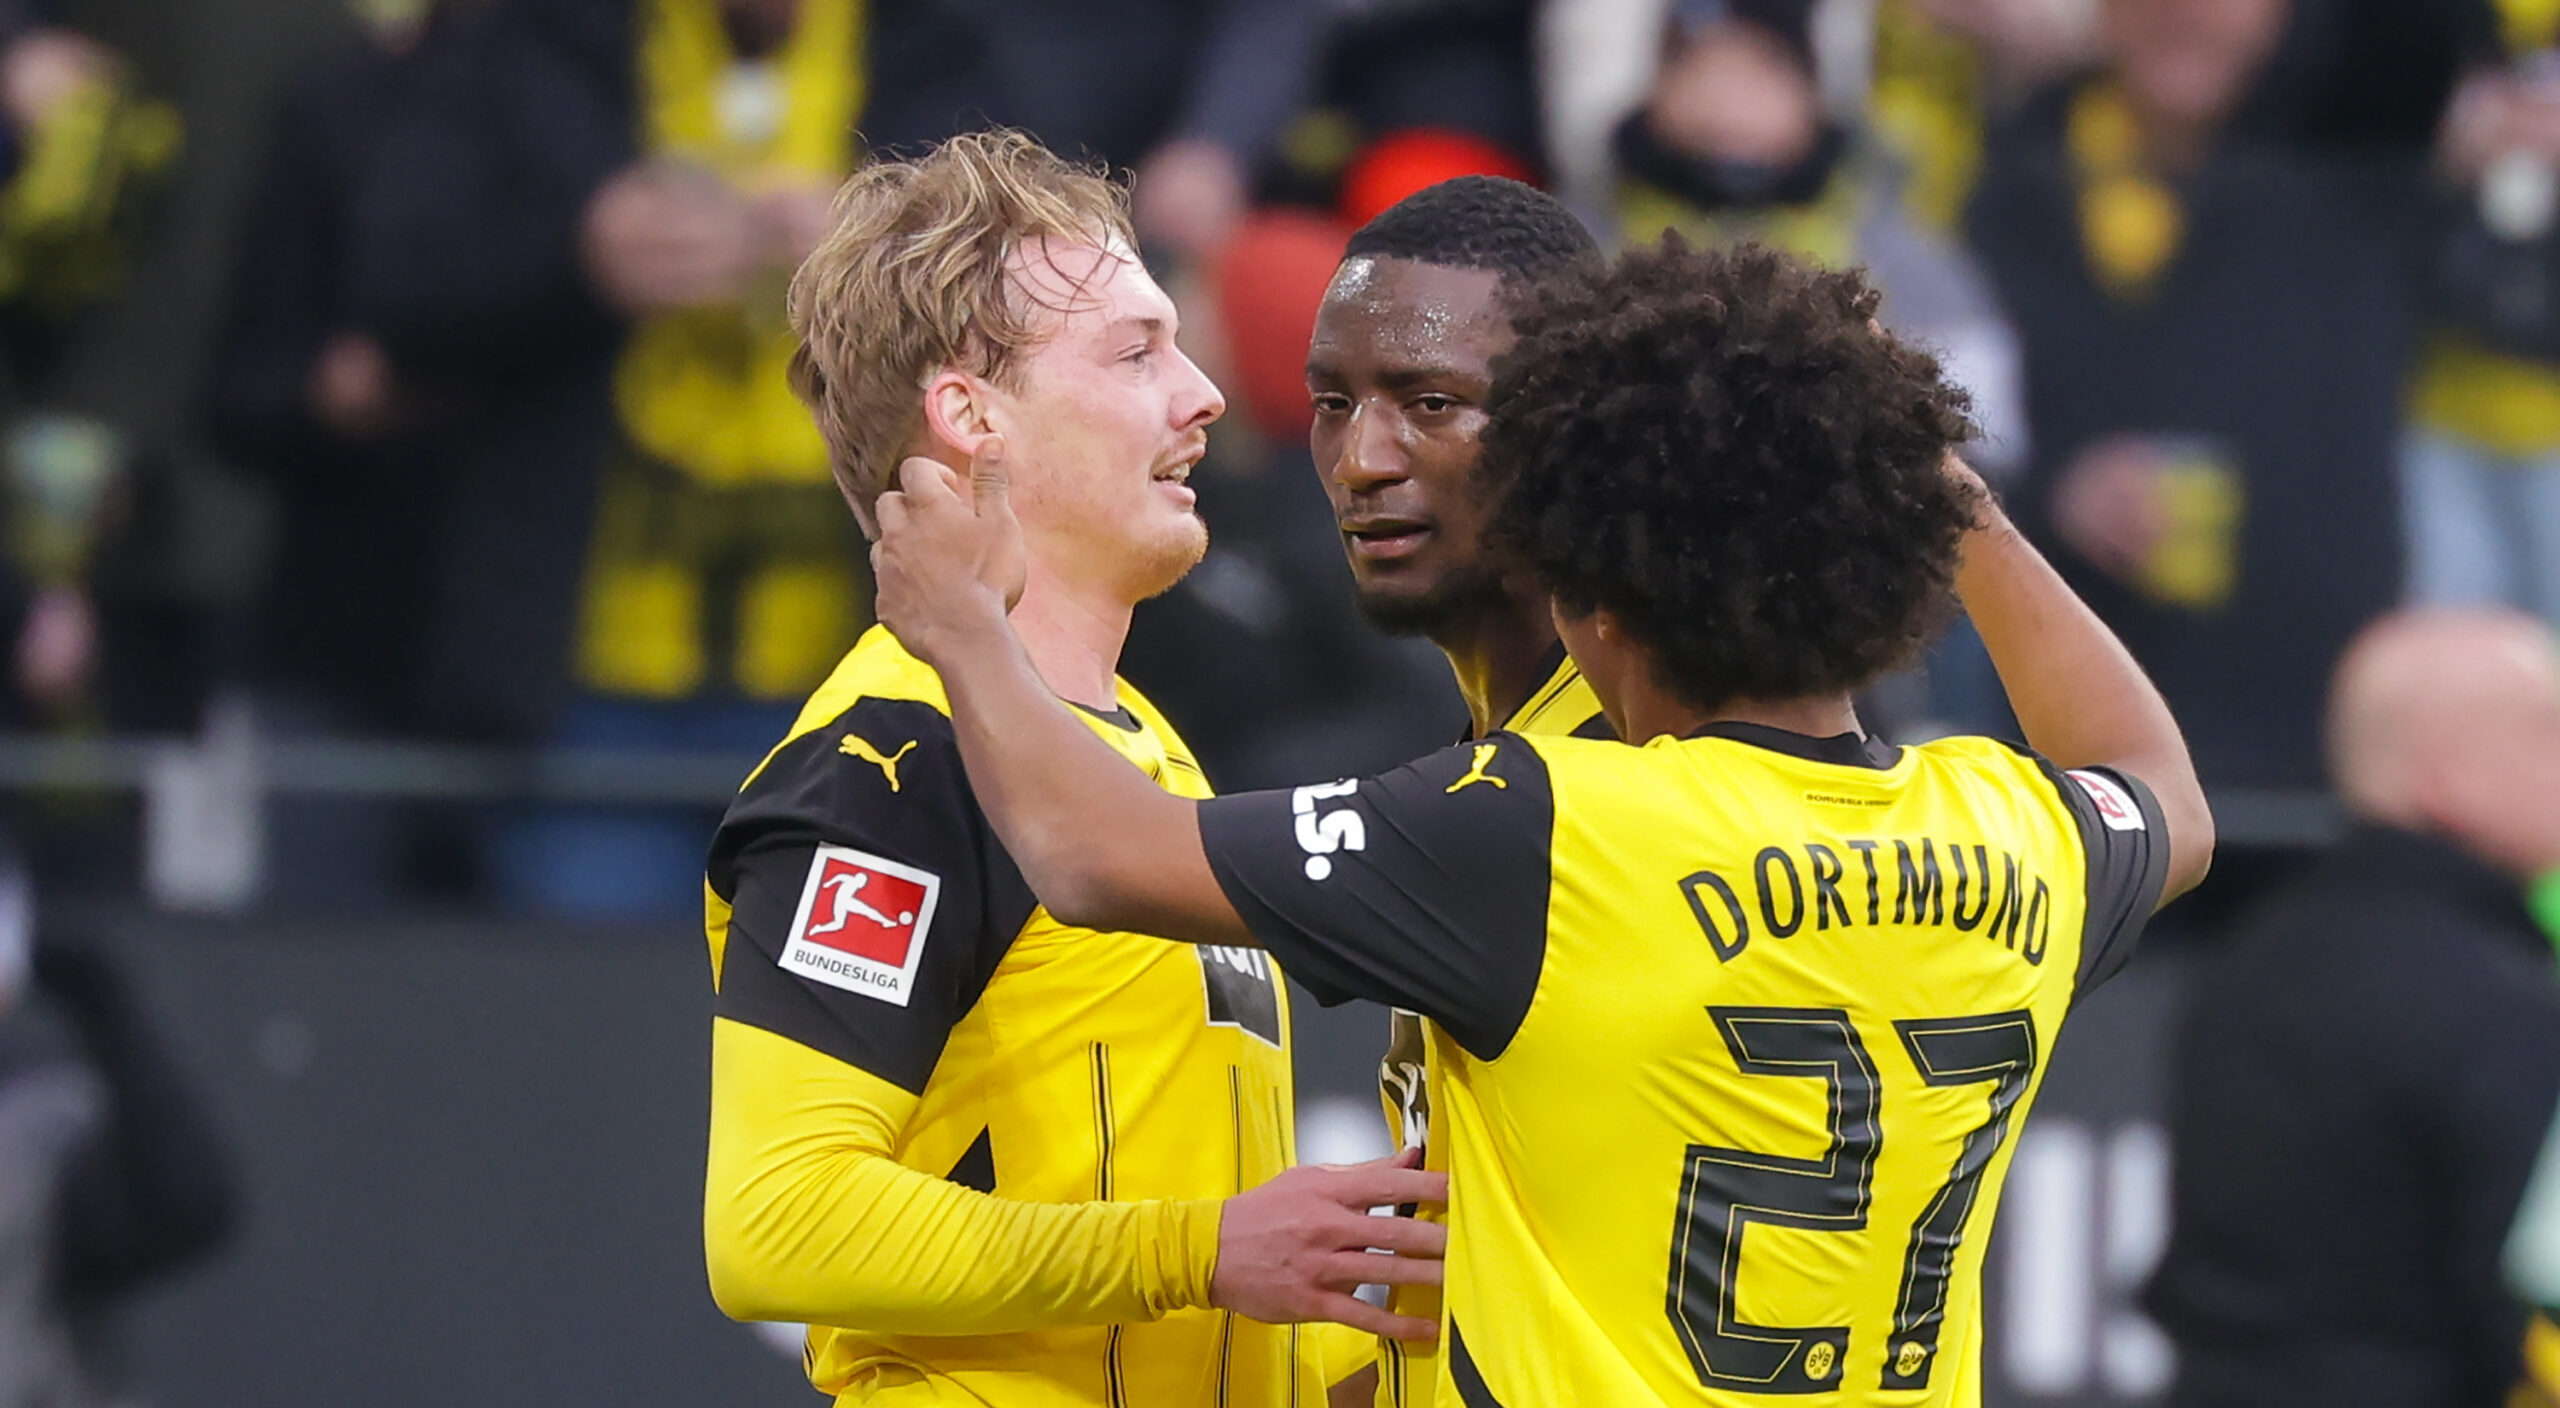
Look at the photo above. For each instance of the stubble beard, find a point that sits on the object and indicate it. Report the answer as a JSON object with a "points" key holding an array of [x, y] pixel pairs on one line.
{"points": [[1459, 597]]}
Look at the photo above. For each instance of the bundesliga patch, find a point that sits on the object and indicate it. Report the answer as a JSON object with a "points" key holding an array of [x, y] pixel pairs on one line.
{"points": [[2115, 805], [862, 924]]}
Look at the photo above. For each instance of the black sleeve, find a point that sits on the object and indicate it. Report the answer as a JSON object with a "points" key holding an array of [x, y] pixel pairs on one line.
{"points": [[1424, 888], [870, 901], [2128, 849]]}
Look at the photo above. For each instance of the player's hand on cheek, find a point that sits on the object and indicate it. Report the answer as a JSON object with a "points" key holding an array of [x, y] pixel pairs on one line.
{"points": [[1297, 1247], [950, 559]]}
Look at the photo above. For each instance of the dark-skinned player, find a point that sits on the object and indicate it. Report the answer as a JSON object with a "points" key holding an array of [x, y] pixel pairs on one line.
{"points": [[1398, 373], [1737, 1025]]}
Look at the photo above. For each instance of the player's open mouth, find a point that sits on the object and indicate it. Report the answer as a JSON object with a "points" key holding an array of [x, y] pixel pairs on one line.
{"points": [[1174, 481], [1384, 539]]}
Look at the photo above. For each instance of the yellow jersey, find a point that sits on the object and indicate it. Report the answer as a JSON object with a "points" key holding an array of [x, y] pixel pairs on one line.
{"points": [[1731, 1035], [957, 1135], [1561, 704]]}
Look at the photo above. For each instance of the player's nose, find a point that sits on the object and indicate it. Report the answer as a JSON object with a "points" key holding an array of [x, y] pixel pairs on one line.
{"points": [[1369, 455], [1197, 402]]}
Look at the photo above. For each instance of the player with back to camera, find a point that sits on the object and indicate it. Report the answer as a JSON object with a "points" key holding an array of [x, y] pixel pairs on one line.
{"points": [[991, 1157], [1398, 372], [1736, 1026]]}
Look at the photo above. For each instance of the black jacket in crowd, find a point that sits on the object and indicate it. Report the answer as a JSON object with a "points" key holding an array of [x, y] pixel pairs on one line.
{"points": [[2361, 1085], [2280, 334]]}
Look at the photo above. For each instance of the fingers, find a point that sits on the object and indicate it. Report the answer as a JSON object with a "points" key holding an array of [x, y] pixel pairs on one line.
{"points": [[1404, 1235], [927, 479], [989, 486], [1384, 1184], [1361, 1315], [1348, 1269], [890, 509]]}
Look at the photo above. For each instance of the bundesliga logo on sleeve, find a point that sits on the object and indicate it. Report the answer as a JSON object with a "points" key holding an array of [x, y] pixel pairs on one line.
{"points": [[862, 923], [2115, 805]]}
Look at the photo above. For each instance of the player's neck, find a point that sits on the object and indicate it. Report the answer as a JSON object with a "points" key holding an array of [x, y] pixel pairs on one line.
{"points": [[1499, 656], [1073, 636], [1652, 713]]}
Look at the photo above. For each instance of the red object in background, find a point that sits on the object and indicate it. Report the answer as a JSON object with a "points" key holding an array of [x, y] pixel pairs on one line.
{"points": [[1271, 278], [1401, 163]]}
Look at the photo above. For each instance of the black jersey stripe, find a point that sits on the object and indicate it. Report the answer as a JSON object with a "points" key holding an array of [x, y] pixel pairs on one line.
{"points": [[1463, 1373], [1102, 1121], [1115, 1387]]}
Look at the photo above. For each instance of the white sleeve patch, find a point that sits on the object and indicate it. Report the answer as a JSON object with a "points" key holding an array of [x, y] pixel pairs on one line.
{"points": [[2115, 805], [862, 924]]}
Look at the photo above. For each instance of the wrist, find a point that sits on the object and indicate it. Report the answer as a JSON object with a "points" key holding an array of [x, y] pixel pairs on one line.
{"points": [[1190, 1265]]}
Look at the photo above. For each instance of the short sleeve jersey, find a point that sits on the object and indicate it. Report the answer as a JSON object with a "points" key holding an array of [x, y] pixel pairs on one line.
{"points": [[1733, 1034], [861, 905]]}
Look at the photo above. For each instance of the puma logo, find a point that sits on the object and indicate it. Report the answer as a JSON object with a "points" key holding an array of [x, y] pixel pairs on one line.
{"points": [[1476, 773], [857, 746]]}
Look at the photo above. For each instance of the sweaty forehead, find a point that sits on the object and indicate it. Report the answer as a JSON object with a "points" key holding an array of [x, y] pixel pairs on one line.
{"points": [[1395, 312]]}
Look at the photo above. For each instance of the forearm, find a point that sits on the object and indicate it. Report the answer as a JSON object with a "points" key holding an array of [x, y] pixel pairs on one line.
{"points": [[2078, 694], [807, 1217], [1101, 845]]}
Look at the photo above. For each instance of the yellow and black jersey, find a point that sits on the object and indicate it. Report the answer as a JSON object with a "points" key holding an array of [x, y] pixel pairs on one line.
{"points": [[956, 1135], [1732, 1035], [1561, 704]]}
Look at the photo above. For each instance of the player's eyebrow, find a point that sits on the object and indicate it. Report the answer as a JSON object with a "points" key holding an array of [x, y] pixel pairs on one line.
{"points": [[1151, 327], [1399, 378]]}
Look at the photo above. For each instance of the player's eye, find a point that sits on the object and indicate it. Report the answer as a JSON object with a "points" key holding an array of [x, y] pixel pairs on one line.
{"points": [[1331, 403], [1435, 404]]}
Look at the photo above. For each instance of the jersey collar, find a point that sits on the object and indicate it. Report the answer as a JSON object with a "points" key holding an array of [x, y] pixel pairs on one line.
{"points": [[1848, 750], [1559, 674]]}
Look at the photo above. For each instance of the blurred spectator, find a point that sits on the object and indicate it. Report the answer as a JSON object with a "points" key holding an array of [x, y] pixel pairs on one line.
{"points": [[585, 219], [110, 1176], [2214, 329], [81, 147], [1732, 142], [2360, 1081], [307, 398], [2482, 463], [304, 395]]}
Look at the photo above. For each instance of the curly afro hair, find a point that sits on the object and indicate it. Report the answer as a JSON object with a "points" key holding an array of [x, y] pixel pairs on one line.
{"points": [[1727, 453], [1479, 222]]}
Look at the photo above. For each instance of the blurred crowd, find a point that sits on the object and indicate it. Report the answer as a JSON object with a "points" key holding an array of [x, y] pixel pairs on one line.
{"points": [[2259, 302]]}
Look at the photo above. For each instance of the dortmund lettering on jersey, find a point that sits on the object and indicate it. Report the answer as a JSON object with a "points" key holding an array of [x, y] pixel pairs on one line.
{"points": [[862, 908], [1799, 991]]}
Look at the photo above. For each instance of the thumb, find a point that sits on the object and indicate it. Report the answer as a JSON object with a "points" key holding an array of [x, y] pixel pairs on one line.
{"points": [[988, 486]]}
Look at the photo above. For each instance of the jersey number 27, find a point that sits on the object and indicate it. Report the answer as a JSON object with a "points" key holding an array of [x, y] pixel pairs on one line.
{"points": [[1724, 1191]]}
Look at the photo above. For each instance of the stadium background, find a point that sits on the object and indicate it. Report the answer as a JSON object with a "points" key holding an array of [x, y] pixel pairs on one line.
{"points": [[466, 1100]]}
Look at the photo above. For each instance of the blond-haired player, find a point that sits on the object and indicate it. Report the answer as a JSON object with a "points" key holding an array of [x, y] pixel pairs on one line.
{"points": [[991, 1158]]}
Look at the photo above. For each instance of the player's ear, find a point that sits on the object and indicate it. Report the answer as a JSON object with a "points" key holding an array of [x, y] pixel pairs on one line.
{"points": [[957, 415]]}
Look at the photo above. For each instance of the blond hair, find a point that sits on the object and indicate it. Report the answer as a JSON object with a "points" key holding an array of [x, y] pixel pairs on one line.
{"points": [[913, 278]]}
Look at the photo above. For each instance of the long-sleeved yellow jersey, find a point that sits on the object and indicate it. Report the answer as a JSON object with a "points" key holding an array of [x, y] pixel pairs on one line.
{"points": [[979, 1152]]}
